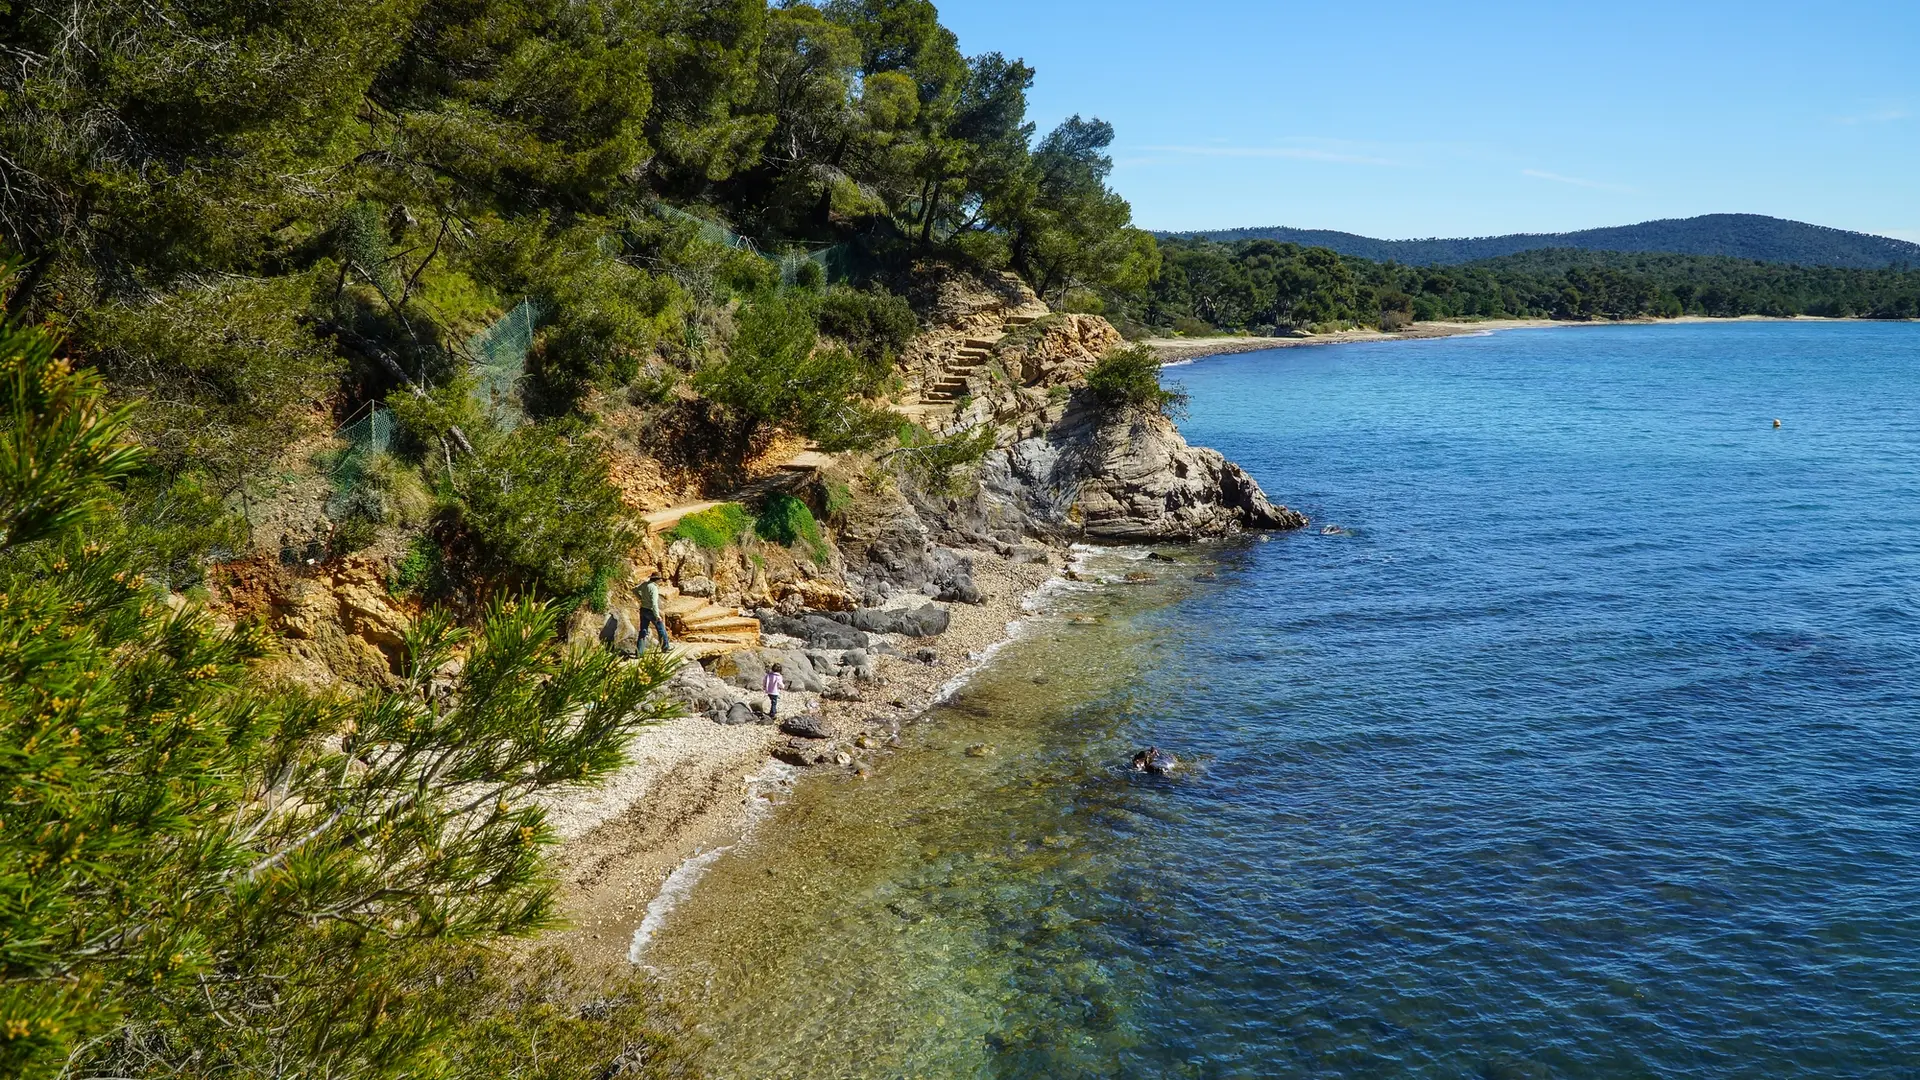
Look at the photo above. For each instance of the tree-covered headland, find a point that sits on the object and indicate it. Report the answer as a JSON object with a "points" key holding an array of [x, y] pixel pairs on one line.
{"points": [[1264, 286]]}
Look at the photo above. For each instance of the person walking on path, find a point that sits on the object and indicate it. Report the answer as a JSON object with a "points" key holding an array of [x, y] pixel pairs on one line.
{"points": [[773, 684], [650, 612]]}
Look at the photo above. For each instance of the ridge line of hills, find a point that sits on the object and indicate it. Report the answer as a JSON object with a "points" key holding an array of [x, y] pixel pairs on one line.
{"points": [[1741, 236]]}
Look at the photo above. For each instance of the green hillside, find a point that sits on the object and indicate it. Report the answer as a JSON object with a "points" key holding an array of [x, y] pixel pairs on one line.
{"points": [[1739, 236]]}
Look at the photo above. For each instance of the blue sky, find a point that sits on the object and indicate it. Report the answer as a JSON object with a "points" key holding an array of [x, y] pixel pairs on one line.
{"points": [[1463, 119]]}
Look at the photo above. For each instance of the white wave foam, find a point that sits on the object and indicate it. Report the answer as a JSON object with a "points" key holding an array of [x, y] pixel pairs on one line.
{"points": [[766, 789]]}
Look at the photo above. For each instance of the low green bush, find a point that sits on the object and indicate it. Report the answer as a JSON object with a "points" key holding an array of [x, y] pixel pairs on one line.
{"points": [[1128, 380], [713, 528], [875, 325], [774, 374], [934, 461], [839, 497], [786, 520], [543, 510], [420, 572]]}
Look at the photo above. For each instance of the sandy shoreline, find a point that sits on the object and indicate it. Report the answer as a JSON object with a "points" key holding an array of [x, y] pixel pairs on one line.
{"points": [[1175, 350], [694, 786], [1180, 350]]}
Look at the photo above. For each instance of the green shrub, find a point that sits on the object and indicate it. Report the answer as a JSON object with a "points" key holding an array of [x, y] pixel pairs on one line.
{"points": [[933, 460], [227, 373], [774, 374], [838, 497], [713, 528], [1128, 380], [786, 520], [210, 873], [420, 572], [875, 325], [542, 509], [372, 490]]}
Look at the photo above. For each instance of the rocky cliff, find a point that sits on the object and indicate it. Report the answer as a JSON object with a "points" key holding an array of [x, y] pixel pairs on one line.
{"points": [[1125, 478], [1065, 467]]}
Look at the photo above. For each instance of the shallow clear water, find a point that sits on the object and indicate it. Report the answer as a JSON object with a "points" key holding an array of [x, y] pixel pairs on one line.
{"points": [[1590, 750]]}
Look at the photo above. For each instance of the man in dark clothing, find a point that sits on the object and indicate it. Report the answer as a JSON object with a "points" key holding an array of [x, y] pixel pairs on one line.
{"points": [[650, 612]]}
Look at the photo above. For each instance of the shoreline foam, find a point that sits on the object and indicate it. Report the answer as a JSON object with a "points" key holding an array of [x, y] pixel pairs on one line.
{"points": [[633, 850]]}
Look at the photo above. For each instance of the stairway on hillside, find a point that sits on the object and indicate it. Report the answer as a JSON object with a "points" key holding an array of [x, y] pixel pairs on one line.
{"points": [[970, 357]]}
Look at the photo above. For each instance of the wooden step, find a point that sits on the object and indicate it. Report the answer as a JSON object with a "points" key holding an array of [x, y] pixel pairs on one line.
{"points": [[661, 520]]}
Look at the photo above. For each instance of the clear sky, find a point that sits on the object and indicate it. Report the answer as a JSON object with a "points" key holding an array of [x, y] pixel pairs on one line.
{"points": [[1473, 118]]}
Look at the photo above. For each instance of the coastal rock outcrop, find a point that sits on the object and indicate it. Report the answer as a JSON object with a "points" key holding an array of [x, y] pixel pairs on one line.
{"points": [[1127, 478]]}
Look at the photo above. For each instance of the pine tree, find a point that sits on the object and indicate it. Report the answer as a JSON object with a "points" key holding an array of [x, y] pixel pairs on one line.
{"points": [[204, 873]]}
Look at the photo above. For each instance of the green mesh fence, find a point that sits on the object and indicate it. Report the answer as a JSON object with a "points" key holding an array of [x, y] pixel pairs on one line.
{"points": [[837, 261], [709, 230], [500, 360], [367, 438], [371, 434]]}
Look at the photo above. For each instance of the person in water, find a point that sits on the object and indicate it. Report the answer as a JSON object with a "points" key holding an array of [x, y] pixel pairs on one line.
{"points": [[649, 595], [772, 685], [1154, 760]]}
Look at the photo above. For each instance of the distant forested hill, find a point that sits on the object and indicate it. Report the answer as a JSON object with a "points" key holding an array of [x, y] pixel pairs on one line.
{"points": [[1740, 236], [1265, 286]]}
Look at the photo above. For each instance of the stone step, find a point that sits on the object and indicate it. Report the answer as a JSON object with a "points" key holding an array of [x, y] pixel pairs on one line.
{"points": [[737, 638], [1021, 320], [738, 624], [808, 461], [679, 607], [983, 344], [701, 651], [712, 616], [705, 612]]}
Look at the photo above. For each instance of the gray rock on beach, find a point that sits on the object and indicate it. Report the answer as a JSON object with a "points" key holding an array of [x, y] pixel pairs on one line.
{"points": [[804, 726], [924, 620]]}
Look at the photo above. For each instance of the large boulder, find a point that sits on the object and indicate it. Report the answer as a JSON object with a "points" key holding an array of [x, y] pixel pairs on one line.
{"points": [[925, 620], [818, 631], [620, 632], [747, 669], [1127, 478]]}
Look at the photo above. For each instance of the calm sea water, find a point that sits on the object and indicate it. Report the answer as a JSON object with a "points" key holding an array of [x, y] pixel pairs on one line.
{"points": [[1592, 748]]}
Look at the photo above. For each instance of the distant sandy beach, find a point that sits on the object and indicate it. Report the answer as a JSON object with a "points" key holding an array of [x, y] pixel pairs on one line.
{"points": [[1177, 350]]}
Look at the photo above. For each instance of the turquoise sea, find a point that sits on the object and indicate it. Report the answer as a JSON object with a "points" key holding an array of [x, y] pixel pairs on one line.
{"points": [[1589, 746]]}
